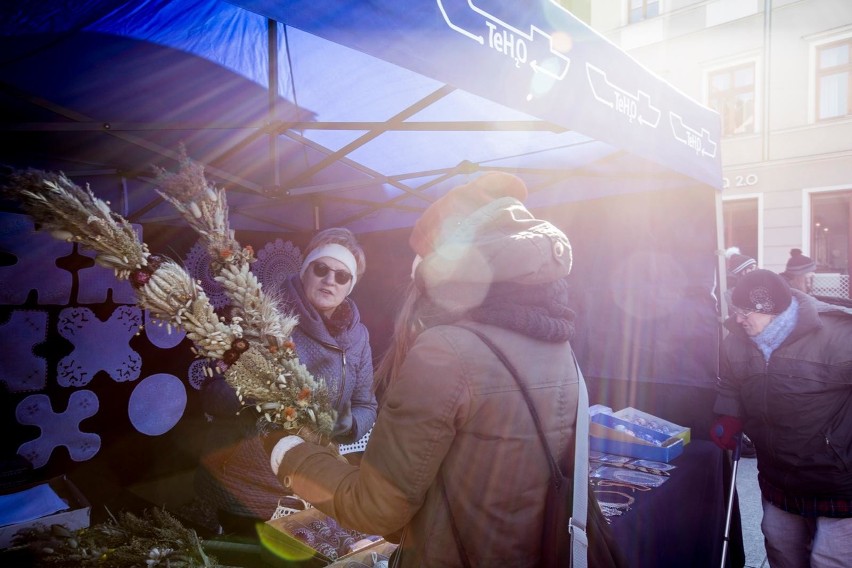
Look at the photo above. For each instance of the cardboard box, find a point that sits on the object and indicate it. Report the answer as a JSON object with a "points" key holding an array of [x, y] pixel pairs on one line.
{"points": [[609, 434], [284, 541], [77, 515], [652, 422], [381, 547]]}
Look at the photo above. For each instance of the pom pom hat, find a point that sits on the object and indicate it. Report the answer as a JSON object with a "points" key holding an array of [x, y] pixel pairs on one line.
{"points": [[799, 264], [444, 215], [762, 291], [737, 262]]}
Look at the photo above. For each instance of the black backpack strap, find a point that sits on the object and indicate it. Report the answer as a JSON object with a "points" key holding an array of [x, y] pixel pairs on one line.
{"points": [[577, 522]]}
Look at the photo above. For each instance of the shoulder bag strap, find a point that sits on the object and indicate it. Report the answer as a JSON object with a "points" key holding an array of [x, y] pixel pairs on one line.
{"points": [[579, 540]]}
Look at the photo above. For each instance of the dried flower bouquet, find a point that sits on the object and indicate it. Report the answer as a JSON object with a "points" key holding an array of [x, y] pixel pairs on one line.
{"points": [[253, 350]]}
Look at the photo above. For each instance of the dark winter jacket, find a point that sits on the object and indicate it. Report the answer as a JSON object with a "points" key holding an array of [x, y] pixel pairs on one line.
{"points": [[456, 414], [343, 361], [235, 472], [797, 406]]}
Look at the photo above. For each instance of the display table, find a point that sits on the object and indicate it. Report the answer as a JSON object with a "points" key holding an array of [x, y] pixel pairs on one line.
{"points": [[682, 522]]}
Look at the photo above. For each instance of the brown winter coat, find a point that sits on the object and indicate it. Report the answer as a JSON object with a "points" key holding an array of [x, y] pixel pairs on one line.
{"points": [[456, 414]]}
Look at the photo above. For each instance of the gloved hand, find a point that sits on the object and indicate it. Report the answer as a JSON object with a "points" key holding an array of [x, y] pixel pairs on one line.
{"points": [[725, 430]]}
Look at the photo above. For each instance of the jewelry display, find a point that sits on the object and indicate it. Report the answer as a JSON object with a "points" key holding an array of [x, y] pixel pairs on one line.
{"points": [[650, 464], [633, 466], [631, 486], [616, 502], [627, 476], [638, 477]]}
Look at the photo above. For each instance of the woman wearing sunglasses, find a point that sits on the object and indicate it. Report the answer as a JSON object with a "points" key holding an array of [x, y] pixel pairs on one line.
{"points": [[334, 345], [330, 339]]}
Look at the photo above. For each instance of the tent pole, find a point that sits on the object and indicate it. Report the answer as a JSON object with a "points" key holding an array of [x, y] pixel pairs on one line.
{"points": [[722, 266], [272, 47]]}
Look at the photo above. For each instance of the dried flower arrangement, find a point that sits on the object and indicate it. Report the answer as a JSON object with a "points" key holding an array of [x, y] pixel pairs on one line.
{"points": [[252, 349], [155, 536]]}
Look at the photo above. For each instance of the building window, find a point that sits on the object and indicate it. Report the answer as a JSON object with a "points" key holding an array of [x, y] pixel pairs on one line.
{"points": [[833, 79], [731, 94], [643, 10], [740, 220], [830, 213]]}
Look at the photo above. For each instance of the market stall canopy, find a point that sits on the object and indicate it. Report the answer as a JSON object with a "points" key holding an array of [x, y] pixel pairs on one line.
{"points": [[376, 109]]}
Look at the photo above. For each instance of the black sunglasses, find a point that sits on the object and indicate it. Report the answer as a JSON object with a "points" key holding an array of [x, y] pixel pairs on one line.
{"points": [[321, 270]]}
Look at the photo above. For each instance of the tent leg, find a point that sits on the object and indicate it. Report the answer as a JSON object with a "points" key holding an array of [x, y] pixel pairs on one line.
{"points": [[272, 48]]}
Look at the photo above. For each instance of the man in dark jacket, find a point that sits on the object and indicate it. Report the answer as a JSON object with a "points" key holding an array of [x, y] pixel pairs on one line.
{"points": [[786, 380]]}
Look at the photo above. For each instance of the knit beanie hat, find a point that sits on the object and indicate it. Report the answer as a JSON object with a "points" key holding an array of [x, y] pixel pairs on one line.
{"points": [[738, 262], [445, 214], [799, 264], [762, 291]]}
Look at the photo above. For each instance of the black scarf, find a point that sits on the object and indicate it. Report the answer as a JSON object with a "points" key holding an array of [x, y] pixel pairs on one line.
{"points": [[539, 311]]}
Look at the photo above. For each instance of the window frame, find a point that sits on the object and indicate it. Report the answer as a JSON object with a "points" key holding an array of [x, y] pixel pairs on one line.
{"points": [[758, 198], [731, 69], [645, 16], [819, 73]]}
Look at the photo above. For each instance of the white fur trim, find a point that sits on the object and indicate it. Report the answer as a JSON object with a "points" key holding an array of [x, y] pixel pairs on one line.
{"points": [[283, 446], [337, 252], [414, 264]]}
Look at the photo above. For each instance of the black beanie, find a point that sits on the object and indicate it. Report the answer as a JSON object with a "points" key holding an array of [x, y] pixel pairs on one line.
{"points": [[762, 291], [799, 264]]}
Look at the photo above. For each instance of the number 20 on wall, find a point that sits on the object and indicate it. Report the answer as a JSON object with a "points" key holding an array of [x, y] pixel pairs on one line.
{"points": [[740, 181]]}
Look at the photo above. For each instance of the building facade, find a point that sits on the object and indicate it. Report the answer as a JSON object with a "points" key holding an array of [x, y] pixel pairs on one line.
{"points": [[780, 75]]}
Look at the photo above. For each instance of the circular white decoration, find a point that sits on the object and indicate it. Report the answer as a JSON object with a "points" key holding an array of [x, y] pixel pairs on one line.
{"points": [[160, 334], [196, 374], [275, 262], [157, 403]]}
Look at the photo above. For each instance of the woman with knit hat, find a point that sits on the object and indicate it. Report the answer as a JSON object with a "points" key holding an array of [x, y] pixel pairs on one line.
{"points": [[334, 345], [800, 271], [786, 381], [453, 470]]}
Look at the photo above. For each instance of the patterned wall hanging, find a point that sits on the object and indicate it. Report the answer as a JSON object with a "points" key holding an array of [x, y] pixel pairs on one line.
{"points": [[275, 262], [35, 267], [58, 428], [20, 368], [99, 345]]}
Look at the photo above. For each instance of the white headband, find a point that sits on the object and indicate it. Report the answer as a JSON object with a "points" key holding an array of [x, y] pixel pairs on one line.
{"points": [[337, 252]]}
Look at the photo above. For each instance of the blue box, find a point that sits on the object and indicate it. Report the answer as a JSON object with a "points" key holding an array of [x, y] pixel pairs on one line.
{"points": [[610, 434], [640, 418]]}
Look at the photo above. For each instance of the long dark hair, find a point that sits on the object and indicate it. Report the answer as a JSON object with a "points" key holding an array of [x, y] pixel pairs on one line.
{"points": [[407, 326]]}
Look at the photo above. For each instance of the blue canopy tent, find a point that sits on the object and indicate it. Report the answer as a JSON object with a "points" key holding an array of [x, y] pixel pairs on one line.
{"points": [[322, 113]]}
